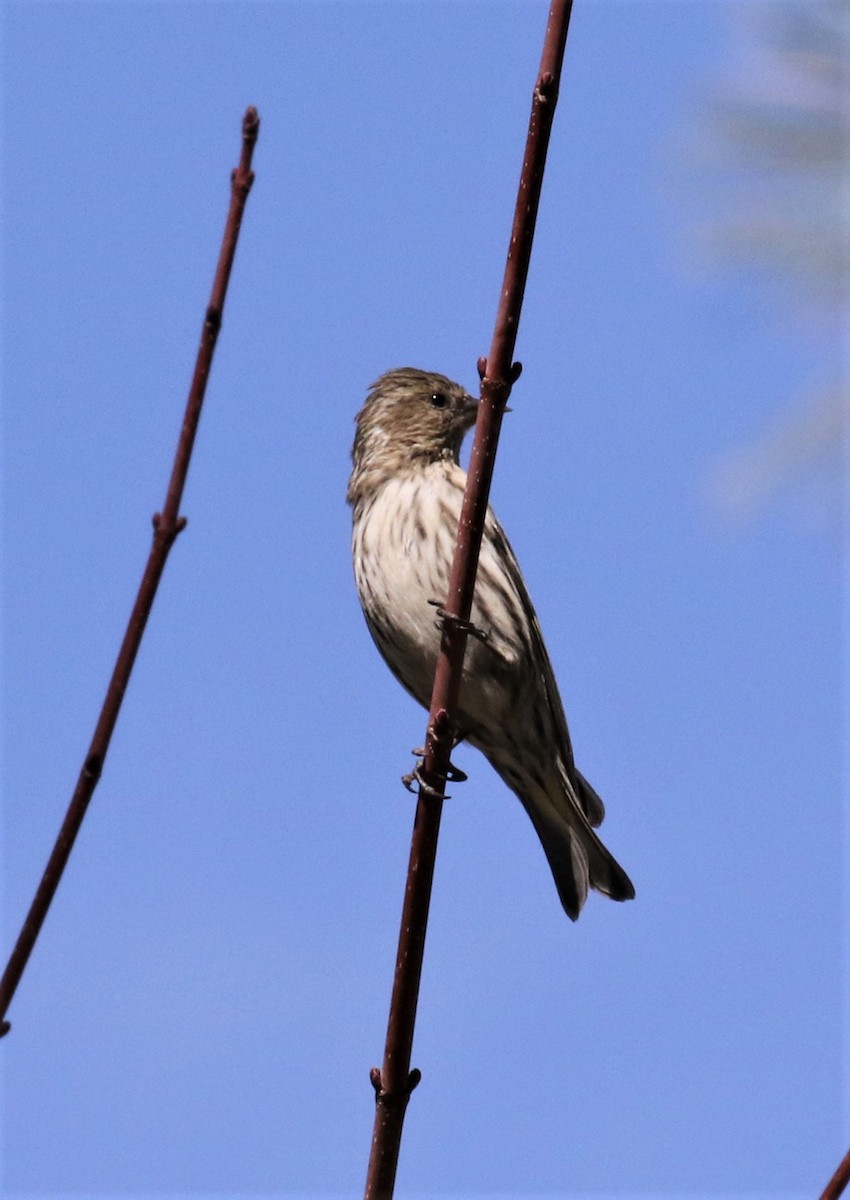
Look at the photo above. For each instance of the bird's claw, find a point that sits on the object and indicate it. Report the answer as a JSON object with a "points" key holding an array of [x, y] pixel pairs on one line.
{"points": [[447, 618], [453, 775], [422, 787]]}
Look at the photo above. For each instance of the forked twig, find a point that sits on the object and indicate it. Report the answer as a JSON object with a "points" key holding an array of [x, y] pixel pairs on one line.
{"points": [[167, 525], [394, 1081]]}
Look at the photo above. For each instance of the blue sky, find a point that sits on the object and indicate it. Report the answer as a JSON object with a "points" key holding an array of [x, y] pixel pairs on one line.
{"points": [[210, 989]]}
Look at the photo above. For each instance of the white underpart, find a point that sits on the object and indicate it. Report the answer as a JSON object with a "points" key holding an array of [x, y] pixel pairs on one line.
{"points": [[409, 574], [404, 581]]}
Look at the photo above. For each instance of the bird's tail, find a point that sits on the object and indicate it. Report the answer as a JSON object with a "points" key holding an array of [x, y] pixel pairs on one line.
{"points": [[576, 856]]}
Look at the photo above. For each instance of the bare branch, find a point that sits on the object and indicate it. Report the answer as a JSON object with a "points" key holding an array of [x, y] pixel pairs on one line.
{"points": [[839, 1181], [167, 525], [394, 1081]]}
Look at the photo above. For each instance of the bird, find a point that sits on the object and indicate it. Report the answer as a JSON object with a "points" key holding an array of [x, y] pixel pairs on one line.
{"points": [[406, 490]]}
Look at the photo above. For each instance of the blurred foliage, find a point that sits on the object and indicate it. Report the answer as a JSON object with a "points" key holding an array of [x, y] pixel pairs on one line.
{"points": [[776, 146]]}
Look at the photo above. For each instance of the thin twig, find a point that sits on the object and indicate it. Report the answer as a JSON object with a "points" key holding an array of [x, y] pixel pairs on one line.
{"points": [[167, 525], [839, 1181], [394, 1081]]}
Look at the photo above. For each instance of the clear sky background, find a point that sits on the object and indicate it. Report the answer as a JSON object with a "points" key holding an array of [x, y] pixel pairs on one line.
{"points": [[211, 986]]}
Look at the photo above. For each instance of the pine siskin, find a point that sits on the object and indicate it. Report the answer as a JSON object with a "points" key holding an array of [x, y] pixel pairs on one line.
{"points": [[406, 490]]}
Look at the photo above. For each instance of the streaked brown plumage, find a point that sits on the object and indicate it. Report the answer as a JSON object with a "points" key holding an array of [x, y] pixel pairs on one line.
{"points": [[406, 491]]}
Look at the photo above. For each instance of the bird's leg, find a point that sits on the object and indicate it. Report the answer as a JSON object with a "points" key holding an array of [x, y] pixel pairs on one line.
{"points": [[452, 774], [422, 788], [446, 618]]}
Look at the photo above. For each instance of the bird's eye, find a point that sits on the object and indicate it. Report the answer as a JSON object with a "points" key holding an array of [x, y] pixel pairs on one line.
{"points": [[439, 399]]}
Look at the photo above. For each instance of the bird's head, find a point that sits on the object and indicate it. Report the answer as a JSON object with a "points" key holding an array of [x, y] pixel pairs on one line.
{"points": [[409, 417]]}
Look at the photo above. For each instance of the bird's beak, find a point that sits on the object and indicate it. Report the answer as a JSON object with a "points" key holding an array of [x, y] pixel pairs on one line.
{"points": [[470, 408]]}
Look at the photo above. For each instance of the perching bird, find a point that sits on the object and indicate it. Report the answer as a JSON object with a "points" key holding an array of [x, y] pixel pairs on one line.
{"points": [[406, 490]]}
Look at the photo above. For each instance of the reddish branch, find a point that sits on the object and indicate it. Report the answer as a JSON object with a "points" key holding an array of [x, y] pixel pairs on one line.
{"points": [[839, 1181], [394, 1081], [167, 525]]}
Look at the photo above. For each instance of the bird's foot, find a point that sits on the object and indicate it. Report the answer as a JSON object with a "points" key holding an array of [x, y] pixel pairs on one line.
{"points": [[422, 788], [453, 774], [446, 618]]}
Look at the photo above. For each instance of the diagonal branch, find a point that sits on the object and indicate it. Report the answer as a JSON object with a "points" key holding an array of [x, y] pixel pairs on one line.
{"points": [[167, 525], [839, 1181], [394, 1081]]}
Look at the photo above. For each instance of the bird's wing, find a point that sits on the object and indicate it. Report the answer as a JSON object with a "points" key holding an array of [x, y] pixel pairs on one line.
{"points": [[505, 575]]}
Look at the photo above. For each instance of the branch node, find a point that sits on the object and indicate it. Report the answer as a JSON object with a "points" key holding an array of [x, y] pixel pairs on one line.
{"points": [[93, 766], [242, 177], [394, 1099], [545, 87], [241, 180], [250, 126], [160, 525], [441, 726], [5, 1026], [212, 319], [516, 371], [482, 367]]}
